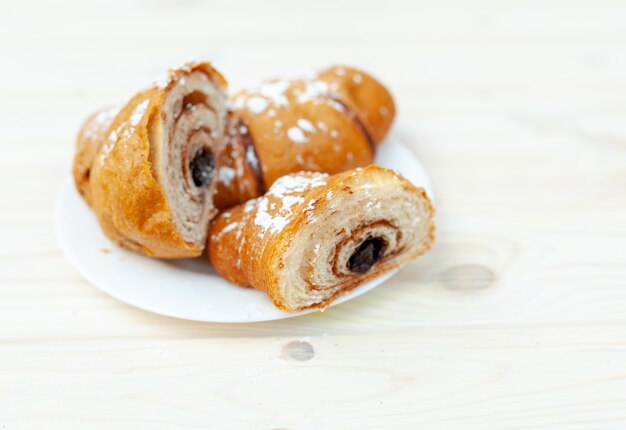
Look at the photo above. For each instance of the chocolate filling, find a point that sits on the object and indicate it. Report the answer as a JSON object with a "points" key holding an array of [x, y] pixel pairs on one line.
{"points": [[368, 253], [202, 167]]}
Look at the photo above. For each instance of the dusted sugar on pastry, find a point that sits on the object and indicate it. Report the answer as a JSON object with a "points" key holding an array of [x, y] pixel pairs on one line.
{"points": [[313, 237], [150, 178], [88, 142], [238, 171], [330, 122]]}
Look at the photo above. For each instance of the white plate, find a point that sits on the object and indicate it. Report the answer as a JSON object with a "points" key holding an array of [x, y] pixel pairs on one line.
{"points": [[190, 288]]}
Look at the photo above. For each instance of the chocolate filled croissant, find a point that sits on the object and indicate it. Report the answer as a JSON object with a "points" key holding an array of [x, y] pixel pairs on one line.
{"points": [[330, 122], [161, 165], [313, 237], [150, 176]]}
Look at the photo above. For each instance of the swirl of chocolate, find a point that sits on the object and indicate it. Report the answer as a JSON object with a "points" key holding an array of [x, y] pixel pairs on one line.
{"points": [[313, 237], [191, 125]]}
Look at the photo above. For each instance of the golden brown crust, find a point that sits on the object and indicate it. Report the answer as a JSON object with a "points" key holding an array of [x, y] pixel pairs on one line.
{"points": [[126, 195], [88, 142], [239, 247], [363, 95], [249, 243], [238, 170], [354, 108], [329, 123], [312, 133]]}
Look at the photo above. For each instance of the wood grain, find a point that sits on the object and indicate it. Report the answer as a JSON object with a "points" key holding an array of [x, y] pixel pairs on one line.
{"points": [[517, 317]]}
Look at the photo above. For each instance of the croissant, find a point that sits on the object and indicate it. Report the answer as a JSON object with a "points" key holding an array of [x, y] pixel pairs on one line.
{"points": [[330, 122], [161, 165], [88, 144], [150, 176], [313, 237]]}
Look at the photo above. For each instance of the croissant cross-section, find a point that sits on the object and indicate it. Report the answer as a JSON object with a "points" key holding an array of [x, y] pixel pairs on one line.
{"points": [[152, 176], [313, 237]]}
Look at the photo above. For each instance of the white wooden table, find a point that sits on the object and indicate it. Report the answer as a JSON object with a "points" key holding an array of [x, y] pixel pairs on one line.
{"points": [[517, 317]]}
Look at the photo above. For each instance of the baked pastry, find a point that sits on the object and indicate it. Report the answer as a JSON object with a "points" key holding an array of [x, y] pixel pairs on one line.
{"points": [[150, 178], [172, 155], [239, 176], [313, 237], [330, 122], [88, 142]]}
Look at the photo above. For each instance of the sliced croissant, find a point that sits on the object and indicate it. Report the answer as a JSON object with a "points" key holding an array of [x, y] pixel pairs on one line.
{"points": [[313, 237], [90, 139], [152, 179]]}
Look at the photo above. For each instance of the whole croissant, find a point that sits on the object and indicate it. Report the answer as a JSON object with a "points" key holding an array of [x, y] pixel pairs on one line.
{"points": [[330, 122]]}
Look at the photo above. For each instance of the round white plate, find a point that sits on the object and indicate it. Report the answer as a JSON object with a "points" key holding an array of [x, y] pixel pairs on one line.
{"points": [[190, 288]]}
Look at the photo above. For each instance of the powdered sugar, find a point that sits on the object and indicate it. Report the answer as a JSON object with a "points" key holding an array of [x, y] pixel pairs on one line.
{"points": [[310, 205], [239, 101], [251, 158], [242, 242], [309, 210], [249, 206], [275, 91], [257, 105], [296, 183], [296, 135], [101, 121], [336, 105], [289, 201], [270, 223], [306, 125], [127, 127], [163, 80], [138, 113], [258, 98], [229, 227], [226, 175], [313, 89], [286, 189], [113, 135]]}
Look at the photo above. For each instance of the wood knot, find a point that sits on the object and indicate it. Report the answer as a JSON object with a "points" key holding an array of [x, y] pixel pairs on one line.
{"points": [[299, 350], [467, 277]]}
